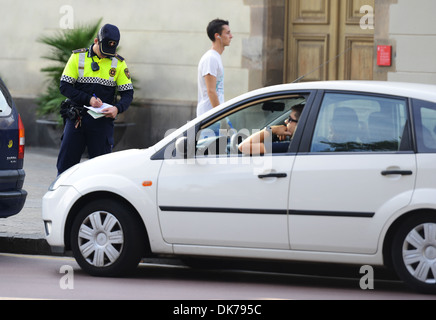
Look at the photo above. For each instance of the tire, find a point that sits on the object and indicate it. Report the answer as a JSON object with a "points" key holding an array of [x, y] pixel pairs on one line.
{"points": [[106, 239], [414, 253]]}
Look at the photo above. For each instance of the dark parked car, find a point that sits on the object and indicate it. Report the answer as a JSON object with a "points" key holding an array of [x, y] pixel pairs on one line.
{"points": [[12, 196]]}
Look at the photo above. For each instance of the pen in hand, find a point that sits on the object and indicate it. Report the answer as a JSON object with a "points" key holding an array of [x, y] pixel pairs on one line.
{"points": [[96, 102]]}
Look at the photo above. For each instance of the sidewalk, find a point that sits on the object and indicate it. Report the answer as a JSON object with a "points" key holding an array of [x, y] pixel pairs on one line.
{"points": [[24, 232]]}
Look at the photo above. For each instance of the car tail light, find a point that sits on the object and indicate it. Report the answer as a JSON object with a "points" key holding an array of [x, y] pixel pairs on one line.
{"points": [[21, 138]]}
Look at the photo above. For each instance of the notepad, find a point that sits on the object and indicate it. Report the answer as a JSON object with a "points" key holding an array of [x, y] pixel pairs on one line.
{"points": [[97, 112]]}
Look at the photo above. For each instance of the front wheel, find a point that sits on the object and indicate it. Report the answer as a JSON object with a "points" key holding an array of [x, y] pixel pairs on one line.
{"points": [[414, 253], [106, 239]]}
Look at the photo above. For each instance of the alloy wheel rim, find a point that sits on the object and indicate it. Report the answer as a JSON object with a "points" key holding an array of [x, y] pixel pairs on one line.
{"points": [[101, 239], [419, 252]]}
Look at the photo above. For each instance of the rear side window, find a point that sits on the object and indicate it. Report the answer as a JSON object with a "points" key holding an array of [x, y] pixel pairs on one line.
{"points": [[5, 108], [425, 125], [361, 123]]}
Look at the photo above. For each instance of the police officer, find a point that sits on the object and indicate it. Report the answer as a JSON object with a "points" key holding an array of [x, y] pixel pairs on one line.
{"points": [[92, 77]]}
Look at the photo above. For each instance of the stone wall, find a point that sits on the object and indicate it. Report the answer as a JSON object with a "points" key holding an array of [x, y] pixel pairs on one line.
{"points": [[408, 27], [162, 42]]}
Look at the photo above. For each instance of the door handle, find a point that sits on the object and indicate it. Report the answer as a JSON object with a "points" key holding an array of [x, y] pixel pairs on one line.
{"points": [[272, 175], [397, 172]]}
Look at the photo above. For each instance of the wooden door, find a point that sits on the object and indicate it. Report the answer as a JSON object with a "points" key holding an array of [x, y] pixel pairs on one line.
{"points": [[329, 40]]}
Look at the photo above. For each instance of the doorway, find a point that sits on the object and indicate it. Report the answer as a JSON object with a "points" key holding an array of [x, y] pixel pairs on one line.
{"points": [[329, 40]]}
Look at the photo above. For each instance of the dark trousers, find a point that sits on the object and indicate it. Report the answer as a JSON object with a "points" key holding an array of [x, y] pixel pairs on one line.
{"points": [[96, 134]]}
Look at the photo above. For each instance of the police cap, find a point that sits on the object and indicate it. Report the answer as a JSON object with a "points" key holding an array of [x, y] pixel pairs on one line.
{"points": [[108, 39]]}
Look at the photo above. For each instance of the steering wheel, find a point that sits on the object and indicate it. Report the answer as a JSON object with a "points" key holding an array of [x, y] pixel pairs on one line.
{"points": [[235, 140]]}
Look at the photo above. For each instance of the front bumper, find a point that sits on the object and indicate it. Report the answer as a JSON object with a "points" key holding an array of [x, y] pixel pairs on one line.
{"points": [[56, 206]]}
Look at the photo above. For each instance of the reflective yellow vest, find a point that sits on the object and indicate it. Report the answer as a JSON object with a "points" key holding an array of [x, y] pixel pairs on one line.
{"points": [[112, 75]]}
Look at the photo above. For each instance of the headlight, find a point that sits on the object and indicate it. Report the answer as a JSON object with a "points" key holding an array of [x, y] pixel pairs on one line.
{"points": [[60, 179], [54, 185]]}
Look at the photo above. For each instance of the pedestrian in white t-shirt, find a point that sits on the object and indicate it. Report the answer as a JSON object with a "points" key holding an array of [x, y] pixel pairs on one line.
{"points": [[210, 68]]}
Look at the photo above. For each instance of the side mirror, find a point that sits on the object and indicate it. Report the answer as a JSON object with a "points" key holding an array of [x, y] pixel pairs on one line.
{"points": [[183, 149]]}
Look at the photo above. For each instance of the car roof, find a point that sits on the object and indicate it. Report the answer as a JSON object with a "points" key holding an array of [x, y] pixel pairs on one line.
{"points": [[403, 89], [425, 92]]}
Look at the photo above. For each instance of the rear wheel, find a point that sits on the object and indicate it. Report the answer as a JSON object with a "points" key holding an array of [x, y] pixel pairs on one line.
{"points": [[414, 253], [106, 239]]}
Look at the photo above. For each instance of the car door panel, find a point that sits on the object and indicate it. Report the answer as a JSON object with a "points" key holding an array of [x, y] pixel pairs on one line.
{"points": [[220, 197], [335, 199], [351, 167], [224, 204]]}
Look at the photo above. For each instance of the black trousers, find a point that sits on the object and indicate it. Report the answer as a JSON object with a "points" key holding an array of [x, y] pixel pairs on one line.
{"points": [[96, 134]]}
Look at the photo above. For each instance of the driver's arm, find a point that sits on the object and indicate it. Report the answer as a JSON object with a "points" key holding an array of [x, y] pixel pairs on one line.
{"points": [[261, 142], [254, 144]]}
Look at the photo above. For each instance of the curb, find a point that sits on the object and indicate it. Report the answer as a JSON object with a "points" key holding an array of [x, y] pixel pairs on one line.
{"points": [[19, 245]]}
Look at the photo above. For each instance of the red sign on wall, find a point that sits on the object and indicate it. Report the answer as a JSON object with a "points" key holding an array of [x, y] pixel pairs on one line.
{"points": [[384, 56]]}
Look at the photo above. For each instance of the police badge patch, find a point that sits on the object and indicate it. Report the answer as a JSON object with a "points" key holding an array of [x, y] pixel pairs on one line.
{"points": [[127, 72], [112, 72]]}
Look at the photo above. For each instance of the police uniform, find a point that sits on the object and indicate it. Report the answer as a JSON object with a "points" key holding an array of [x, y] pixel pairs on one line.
{"points": [[86, 76]]}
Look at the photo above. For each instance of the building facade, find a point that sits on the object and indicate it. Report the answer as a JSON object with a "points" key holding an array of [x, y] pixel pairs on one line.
{"points": [[343, 39], [275, 41]]}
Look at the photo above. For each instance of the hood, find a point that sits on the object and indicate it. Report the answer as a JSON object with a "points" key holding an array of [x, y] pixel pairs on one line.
{"points": [[110, 164]]}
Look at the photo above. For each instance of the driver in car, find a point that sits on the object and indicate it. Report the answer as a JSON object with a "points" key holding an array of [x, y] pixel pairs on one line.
{"points": [[262, 142]]}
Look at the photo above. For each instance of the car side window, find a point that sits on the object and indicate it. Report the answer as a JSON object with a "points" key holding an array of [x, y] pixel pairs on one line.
{"points": [[360, 123], [425, 126], [223, 135]]}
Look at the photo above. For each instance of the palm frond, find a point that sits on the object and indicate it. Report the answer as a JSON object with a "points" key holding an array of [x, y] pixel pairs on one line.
{"points": [[61, 44]]}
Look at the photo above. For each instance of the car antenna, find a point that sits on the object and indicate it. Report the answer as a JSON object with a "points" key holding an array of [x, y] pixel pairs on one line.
{"points": [[322, 65]]}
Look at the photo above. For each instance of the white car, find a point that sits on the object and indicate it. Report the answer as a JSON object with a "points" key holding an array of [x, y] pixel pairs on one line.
{"points": [[355, 185]]}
